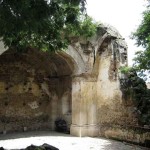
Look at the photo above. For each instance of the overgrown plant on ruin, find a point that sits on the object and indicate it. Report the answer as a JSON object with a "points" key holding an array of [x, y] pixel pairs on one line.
{"points": [[134, 87], [44, 25], [141, 35]]}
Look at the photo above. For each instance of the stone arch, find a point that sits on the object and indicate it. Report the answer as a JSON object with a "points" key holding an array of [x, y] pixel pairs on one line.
{"points": [[74, 82], [101, 44], [77, 58], [110, 48], [38, 87]]}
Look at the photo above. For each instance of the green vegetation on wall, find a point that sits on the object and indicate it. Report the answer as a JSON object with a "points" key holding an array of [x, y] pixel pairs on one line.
{"points": [[135, 88], [142, 37]]}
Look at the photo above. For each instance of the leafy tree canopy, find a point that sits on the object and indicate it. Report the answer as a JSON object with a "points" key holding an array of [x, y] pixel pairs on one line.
{"points": [[142, 37], [43, 24]]}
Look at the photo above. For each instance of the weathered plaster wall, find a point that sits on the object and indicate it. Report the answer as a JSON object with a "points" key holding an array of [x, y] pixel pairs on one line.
{"points": [[30, 99], [98, 88], [81, 85], [116, 116], [111, 106], [84, 110]]}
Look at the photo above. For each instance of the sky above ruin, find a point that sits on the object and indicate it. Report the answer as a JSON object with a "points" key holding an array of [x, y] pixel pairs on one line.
{"points": [[124, 15]]}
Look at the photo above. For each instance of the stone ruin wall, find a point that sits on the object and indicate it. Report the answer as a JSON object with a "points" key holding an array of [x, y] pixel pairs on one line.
{"points": [[103, 109], [82, 86], [29, 98], [116, 116]]}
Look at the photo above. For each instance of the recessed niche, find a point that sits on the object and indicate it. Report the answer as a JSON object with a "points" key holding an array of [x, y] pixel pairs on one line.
{"points": [[6, 88], [24, 104], [29, 89], [6, 103]]}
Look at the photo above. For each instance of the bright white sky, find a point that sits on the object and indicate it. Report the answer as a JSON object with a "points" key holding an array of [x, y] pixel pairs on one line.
{"points": [[124, 15]]}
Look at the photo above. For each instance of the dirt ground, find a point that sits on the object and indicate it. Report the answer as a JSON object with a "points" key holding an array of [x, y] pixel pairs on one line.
{"points": [[62, 141]]}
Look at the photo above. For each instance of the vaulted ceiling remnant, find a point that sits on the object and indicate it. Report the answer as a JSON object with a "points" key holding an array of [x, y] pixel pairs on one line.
{"points": [[54, 64]]}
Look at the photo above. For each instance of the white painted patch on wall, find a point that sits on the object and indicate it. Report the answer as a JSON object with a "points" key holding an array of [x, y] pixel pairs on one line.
{"points": [[33, 105]]}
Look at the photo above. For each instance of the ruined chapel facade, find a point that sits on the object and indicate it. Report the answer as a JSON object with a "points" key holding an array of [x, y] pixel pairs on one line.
{"points": [[80, 85]]}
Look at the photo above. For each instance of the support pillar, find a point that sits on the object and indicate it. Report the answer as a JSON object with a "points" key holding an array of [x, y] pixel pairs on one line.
{"points": [[84, 120]]}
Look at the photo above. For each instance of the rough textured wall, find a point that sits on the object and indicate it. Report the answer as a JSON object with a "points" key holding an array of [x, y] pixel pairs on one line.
{"points": [[116, 116], [81, 85], [111, 107], [30, 98]]}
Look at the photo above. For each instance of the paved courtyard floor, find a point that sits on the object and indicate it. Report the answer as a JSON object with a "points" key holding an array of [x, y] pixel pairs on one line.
{"points": [[62, 141]]}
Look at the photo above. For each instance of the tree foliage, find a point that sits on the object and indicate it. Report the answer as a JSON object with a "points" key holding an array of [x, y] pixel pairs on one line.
{"points": [[142, 37], [42, 24], [133, 87], [141, 94]]}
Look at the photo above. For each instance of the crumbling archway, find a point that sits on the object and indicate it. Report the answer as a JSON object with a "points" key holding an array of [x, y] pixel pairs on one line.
{"points": [[36, 89]]}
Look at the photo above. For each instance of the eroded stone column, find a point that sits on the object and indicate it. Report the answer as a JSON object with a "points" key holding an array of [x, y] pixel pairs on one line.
{"points": [[84, 120], [79, 115], [90, 95]]}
